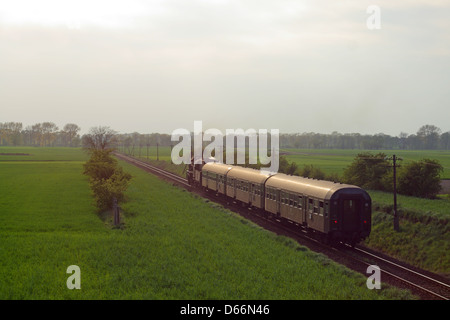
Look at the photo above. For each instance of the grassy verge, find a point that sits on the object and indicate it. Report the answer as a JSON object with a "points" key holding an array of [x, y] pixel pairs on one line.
{"points": [[424, 237], [173, 245], [425, 245]]}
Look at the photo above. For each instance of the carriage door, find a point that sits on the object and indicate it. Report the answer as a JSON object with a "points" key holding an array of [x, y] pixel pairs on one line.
{"points": [[350, 214]]}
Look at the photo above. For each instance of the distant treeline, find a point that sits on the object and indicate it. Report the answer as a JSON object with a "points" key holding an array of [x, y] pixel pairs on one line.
{"points": [[43, 134], [428, 137]]}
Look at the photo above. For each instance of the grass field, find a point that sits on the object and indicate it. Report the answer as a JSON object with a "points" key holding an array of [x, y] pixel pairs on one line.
{"points": [[329, 160], [42, 154], [173, 245], [336, 160]]}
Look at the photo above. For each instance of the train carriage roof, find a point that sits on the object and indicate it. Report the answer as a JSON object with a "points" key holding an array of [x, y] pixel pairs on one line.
{"points": [[315, 188], [248, 174], [219, 168]]}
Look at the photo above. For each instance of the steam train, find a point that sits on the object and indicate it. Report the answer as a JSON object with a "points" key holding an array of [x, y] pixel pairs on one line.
{"points": [[334, 212]]}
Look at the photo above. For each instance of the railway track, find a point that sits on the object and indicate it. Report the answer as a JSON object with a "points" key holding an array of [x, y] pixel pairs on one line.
{"points": [[430, 284], [424, 284], [156, 170]]}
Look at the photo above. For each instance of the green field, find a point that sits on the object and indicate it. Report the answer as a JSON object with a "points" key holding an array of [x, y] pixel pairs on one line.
{"points": [[336, 160], [172, 244], [329, 160], [42, 154]]}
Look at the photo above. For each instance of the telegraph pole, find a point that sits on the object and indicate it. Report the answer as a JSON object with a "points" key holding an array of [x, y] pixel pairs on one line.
{"points": [[394, 159]]}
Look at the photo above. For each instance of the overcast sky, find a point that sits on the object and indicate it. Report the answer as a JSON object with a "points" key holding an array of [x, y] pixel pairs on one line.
{"points": [[297, 66]]}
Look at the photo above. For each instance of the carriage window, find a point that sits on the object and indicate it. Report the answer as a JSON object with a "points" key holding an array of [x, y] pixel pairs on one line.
{"points": [[300, 201]]}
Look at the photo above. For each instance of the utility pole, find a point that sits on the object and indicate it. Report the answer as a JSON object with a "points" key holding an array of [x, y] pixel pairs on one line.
{"points": [[394, 159], [116, 212]]}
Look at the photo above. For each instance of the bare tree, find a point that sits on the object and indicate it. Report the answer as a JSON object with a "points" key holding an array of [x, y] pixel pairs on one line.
{"points": [[100, 138], [10, 132], [70, 132], [49, 130], [429, 135]]}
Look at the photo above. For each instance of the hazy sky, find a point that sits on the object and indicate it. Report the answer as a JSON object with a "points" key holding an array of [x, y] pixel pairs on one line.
{"points": [[297, 66]]}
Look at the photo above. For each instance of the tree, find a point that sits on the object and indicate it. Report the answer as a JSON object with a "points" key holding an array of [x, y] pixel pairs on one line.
{"points": [[310, 171], [429, 135], [420, 179], [283, 166], [402, 140], [107, 179], [49, 130], [100, 138], [445, 140], [367, 171], [37, 134], [10, 132], [70, 132]]}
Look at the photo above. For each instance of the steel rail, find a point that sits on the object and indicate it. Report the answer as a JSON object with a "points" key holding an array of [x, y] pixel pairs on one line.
{"points": [[150, 167]]}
